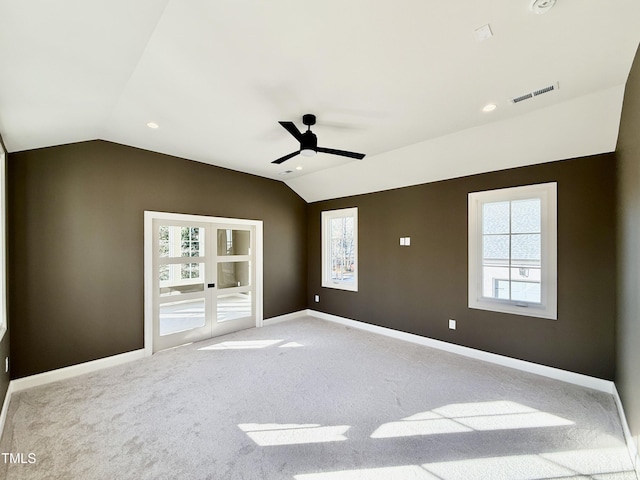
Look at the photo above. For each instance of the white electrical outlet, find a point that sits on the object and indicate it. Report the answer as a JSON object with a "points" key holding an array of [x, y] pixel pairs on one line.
{"points": [[317, 298], [452, 324]]}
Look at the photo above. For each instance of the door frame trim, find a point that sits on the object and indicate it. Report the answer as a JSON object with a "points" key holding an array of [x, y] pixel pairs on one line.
{"points": [[149, 217]]}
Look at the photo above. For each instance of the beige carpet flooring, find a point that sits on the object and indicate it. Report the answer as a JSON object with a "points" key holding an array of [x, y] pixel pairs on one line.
{"points": [[311, 400]]}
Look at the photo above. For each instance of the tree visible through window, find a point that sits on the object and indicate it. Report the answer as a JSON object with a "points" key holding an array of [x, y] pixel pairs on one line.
{"points": [[340, 249]]}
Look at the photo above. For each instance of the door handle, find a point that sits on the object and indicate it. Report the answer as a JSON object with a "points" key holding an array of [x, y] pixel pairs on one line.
{"points": [[211, 285]]}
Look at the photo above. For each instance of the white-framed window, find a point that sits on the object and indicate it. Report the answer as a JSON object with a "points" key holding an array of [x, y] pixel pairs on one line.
{"points": [[3, 245], [340, 249], [513, 250]]}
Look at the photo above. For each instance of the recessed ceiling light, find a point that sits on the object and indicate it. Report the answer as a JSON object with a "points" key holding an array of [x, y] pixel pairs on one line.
{"points": [[153, 125], [490, 107], [298, 167]]}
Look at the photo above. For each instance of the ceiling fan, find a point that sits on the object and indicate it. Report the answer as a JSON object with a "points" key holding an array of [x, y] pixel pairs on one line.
{"points": [[309, 142]]}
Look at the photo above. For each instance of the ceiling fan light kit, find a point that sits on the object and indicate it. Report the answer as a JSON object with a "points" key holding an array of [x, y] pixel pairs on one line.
{"points": [[309, 142], [308, 152]]}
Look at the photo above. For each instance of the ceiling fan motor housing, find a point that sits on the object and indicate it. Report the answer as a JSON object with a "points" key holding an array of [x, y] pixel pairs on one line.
{"points": [[309, 119], [309, 141]]}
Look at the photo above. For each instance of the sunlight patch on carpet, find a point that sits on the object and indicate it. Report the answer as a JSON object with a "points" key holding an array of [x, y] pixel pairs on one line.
{"points": [[596, 463], [469, 417], [272, 434], [241, 345]]}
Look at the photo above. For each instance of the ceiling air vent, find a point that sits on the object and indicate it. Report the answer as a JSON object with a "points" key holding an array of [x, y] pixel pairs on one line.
{"points": [[535, 93]]}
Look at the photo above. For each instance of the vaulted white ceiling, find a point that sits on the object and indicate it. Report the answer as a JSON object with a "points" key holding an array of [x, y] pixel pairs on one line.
{"points": [[404, 82]]}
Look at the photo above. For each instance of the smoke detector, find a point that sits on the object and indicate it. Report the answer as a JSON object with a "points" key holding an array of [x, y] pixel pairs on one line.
{"points": [[541, 6]]}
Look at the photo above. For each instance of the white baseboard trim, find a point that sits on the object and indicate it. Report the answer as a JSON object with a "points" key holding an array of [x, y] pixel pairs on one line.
{"points": [[550, 372], [285, 318], [632, 446], [5, 408], [75, 370]]}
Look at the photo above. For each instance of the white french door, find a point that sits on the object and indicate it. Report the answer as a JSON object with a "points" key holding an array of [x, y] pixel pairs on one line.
{"points": [[203, 277]]}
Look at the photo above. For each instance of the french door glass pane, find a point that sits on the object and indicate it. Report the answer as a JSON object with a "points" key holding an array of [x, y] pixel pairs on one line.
{"points": [[177, 241], [233, 306], [233, 274], [180, 316], [190, 241], [164, 248], [233, 242], [180, 279]]}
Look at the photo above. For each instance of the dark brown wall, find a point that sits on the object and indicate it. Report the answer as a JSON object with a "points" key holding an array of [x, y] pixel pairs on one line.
{"points": [[628, 153], [76, 244], [417, 289]]}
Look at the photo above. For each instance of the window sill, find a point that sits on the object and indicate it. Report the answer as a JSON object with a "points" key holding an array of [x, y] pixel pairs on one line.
{"points": [[338, 286], [510, 308]]}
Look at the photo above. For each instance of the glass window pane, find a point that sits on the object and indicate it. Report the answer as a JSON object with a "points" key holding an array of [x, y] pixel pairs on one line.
{"points": [[525, 291], [233, 274], [234, 242], [181, 241], [164, 241], [526, 216], [190, 241], [526, 249], [526, 274], [342, 250], [181, 279], [164, 273], [495, 247], [495, 217], [501, 289], [190, 270], [492, 286]]}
